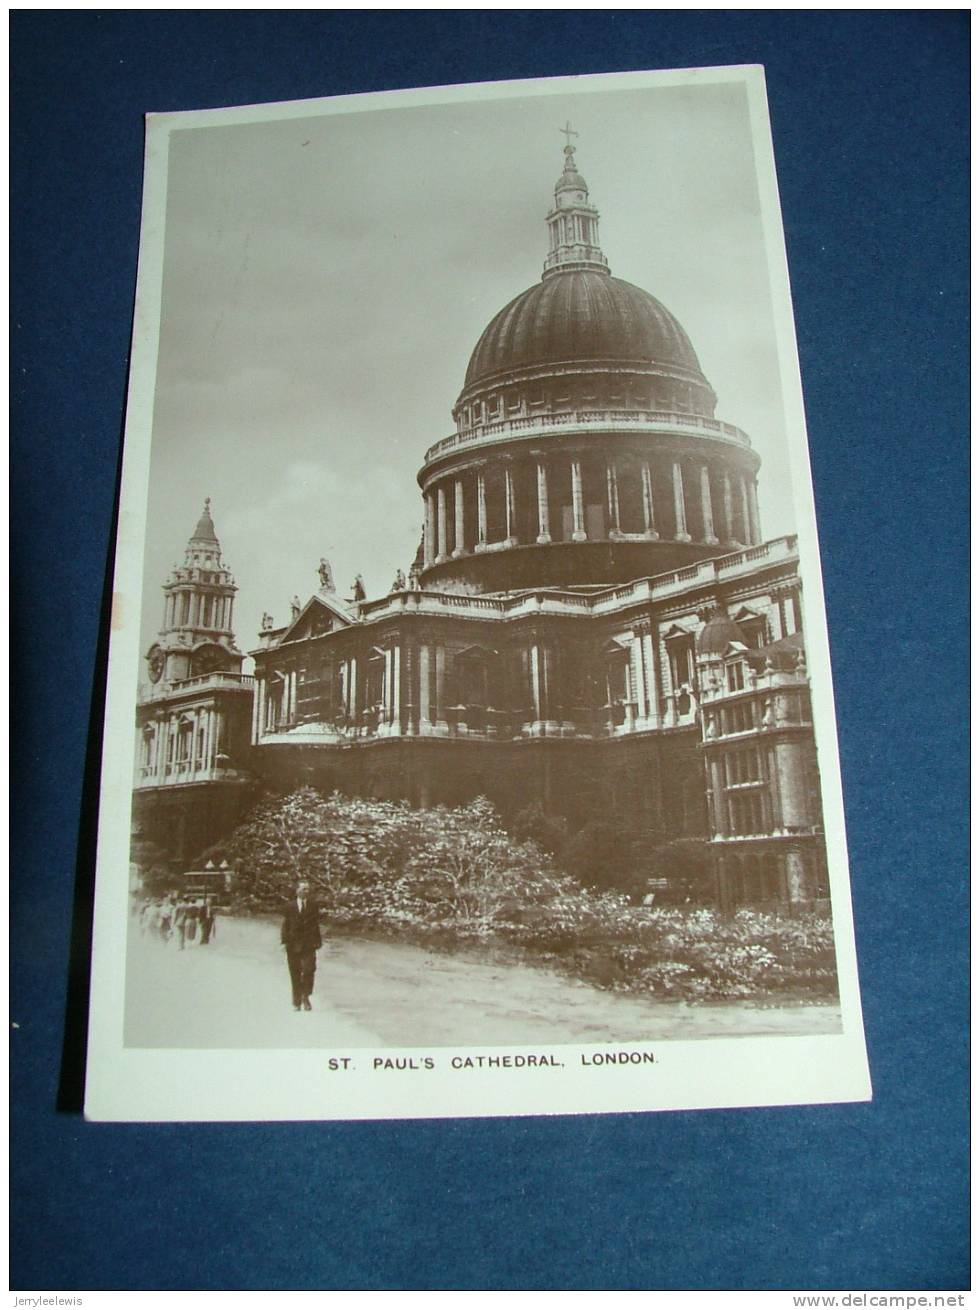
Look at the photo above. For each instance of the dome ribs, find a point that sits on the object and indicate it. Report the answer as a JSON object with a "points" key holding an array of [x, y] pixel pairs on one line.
{"points": [[580, 316]]}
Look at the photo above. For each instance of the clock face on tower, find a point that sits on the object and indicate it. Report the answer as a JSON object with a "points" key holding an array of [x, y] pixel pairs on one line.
{"points": [[209, 659], [154, 664]]}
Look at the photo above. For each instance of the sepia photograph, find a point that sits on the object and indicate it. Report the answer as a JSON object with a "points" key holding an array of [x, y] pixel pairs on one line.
{"points": [[470, 712]]}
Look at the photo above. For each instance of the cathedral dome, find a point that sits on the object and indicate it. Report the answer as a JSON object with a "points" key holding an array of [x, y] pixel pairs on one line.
{"points": [[586, 449], [581, 316]]}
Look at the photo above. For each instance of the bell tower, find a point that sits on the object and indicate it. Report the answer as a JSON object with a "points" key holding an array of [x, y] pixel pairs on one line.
{"points": [[197, 636], [192, 781]]}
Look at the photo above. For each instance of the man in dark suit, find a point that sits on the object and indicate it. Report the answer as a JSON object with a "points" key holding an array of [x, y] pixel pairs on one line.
{"points": [[301, 938]]}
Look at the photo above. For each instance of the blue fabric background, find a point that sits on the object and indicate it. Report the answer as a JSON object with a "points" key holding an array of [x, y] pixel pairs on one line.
{"points": [[870, 124]]}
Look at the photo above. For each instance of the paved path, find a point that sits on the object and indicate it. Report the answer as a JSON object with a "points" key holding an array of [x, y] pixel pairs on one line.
{"points": [[235, 993]]}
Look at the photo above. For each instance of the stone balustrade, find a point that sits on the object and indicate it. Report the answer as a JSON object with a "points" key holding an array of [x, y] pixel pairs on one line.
{"points": [[201, 682], [553, 601], [611, 420]]}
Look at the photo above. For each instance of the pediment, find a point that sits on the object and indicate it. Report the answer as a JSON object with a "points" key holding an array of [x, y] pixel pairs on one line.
{"points": [[617, 646], [475, 653], [321, 614]]}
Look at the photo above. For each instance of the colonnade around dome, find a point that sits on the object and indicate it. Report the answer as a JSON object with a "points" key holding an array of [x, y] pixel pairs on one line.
{"points": [[580, 495]]}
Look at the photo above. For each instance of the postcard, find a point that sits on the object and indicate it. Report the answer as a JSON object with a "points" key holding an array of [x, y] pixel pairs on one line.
{"points": [[470, 742]]}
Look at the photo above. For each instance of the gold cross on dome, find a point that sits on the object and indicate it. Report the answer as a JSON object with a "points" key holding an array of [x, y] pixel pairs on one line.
{"points": [[568, 132]]}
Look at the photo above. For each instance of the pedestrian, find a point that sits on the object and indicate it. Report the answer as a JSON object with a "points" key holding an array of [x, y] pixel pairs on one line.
{"points": [[149, 916], [191, 919], [208, 920], [165, 921], [302, 939], [179, 928]]}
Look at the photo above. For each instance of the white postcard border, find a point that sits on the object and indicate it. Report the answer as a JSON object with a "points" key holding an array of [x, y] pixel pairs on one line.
{"points": [[140, 1084]]}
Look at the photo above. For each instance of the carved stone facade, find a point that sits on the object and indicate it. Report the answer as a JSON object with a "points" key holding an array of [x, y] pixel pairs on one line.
{"points": [[593, 621]]}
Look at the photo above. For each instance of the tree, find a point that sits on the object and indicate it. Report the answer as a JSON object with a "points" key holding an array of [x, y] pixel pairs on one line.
{"points": [[383, 862], [549, 831], [600, 855], [470, 872], [331, 841]]}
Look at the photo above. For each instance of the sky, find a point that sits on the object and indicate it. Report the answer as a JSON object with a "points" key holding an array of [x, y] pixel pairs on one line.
{"points": [[326, 278]]}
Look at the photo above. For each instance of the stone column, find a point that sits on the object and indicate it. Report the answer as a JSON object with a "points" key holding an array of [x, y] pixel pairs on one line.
{"points": [[612, 496], [729, 509], [636, 663], [396, 690], [459, 545], [386, 688], [578, 509], [796, 879], [649, 518], [720, 805], [546, 671], [544, 518], [652, 680], [440, 705], [706, 512], [352, 689], [425, 719], [481, 511], [442, 525], [754, 509], [255, 710], [746, 517], [680, 514], [258, 722], [509, 503], [429, 532], [536, 683]]}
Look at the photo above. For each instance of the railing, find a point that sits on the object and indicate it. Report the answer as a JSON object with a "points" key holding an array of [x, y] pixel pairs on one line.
{"points": [[615, 420], [555, 601], [216, 680], [182, 771]]}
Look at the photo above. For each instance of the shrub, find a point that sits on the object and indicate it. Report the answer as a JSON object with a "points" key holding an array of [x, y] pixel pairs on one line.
{"points": [[599, 855], [454, 875], [549, 831], [686, 864]]}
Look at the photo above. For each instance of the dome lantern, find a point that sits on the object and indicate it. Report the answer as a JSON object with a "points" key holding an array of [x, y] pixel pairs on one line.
{"points": [[573, 224]]}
